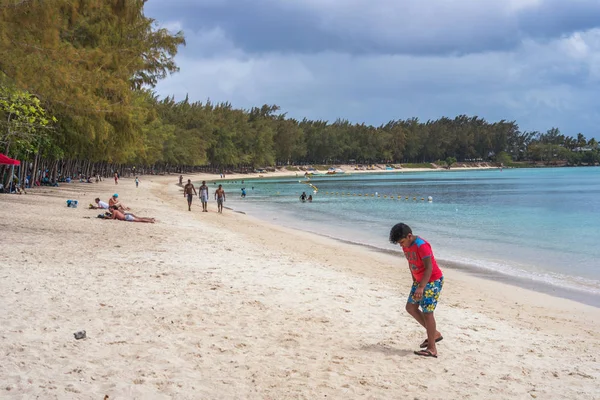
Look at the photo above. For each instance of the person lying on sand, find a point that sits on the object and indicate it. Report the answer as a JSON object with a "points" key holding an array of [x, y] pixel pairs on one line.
{"points": [[100, 205], [116, 214]]}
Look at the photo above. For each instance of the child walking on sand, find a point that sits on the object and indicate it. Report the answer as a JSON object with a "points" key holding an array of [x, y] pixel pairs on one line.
{"points": [[428, 280]]}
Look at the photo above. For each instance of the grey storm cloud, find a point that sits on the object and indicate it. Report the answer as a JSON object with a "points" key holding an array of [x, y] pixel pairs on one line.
{"points": [[533, 61], [382, 26]]}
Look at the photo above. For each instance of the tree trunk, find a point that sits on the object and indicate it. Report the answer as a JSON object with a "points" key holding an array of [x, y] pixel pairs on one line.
{"points": [[34, 173], [55, 172], [23, 173]]}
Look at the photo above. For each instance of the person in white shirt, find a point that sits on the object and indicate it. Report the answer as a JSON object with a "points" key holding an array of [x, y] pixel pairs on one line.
{"points": [[204, 196], [101, 204]]}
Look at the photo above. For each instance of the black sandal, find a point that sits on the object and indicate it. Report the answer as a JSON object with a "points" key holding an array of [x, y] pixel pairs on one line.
{"points": [[426, 342], [425, 353]]}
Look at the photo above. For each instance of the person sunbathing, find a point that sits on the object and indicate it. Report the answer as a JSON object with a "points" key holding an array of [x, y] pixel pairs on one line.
{"points": [[114, 201], [116, 214]]}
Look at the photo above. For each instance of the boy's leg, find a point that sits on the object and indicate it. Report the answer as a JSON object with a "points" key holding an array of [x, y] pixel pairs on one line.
{"points": [[432, 332], [428, 304], [412, 306], [413, 309], [421, 318]]}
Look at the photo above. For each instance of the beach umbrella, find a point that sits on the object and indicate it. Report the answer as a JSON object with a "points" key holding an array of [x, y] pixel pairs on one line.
{"points": [[4, 160]]}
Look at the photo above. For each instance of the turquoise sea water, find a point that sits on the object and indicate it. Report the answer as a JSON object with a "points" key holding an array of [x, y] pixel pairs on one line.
{"points": [[538, 224]]}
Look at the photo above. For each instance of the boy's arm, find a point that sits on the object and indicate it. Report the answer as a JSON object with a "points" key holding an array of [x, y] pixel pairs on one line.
{"points": [[427, 273]]}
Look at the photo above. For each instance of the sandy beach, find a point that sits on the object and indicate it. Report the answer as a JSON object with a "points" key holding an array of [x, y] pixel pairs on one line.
{"points": [[225, 306]]}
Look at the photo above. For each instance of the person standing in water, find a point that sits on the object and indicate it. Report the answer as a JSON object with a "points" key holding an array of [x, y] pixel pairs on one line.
{"points": [[187, 191], [204, 196], [220, 197]]}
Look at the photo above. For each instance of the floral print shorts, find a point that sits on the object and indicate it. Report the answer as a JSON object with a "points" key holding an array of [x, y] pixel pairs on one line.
{"points": [[431, 294]]}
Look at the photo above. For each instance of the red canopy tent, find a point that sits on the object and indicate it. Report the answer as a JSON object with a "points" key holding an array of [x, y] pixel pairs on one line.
{"points": [[8, 161]]}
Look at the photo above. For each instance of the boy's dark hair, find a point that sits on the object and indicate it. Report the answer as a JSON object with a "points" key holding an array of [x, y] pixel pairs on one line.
{"points": [[97, 199], [398, 232]]}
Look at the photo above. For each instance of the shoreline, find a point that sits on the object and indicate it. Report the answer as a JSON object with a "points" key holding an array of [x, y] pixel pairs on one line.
{"points": [[481, 274], [348, 170], [554, 288], [228, 306], [565, 292]]}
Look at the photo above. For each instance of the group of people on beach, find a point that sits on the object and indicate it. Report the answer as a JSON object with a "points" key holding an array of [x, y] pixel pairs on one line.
{"points": [[117, 210], [117, 177], [427, 276], [189, 191]]}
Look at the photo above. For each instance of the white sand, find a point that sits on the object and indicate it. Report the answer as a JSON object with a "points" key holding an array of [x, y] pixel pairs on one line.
{"points": [[208, 306]]}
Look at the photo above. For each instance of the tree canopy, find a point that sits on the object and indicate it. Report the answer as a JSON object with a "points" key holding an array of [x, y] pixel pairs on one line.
{"points": [[76, 86]]}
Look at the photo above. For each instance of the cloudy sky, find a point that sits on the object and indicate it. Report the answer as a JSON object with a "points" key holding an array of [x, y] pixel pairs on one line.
{"points": [[533, 61]]}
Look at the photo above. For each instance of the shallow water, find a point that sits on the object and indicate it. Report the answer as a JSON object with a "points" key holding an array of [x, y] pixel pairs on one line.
{"points": [[537, 224]]}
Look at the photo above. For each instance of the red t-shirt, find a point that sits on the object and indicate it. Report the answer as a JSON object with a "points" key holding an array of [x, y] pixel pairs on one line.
{"points": [[415, 254]]}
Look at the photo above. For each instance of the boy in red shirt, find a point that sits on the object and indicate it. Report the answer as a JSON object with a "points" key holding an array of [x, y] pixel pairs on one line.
{"points": [[427, 284]]}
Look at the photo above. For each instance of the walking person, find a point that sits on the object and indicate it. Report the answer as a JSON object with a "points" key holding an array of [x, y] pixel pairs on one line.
{"points": [[187, 191], [220, 197], [137, 181], [428, 280], [204, 196]]}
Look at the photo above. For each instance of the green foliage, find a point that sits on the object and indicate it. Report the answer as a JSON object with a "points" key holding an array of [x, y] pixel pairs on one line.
{"points": [[548, 152], [92, 63], [23, 121], [417, 165], [450, 161], [503, 158], [86, 60]]}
